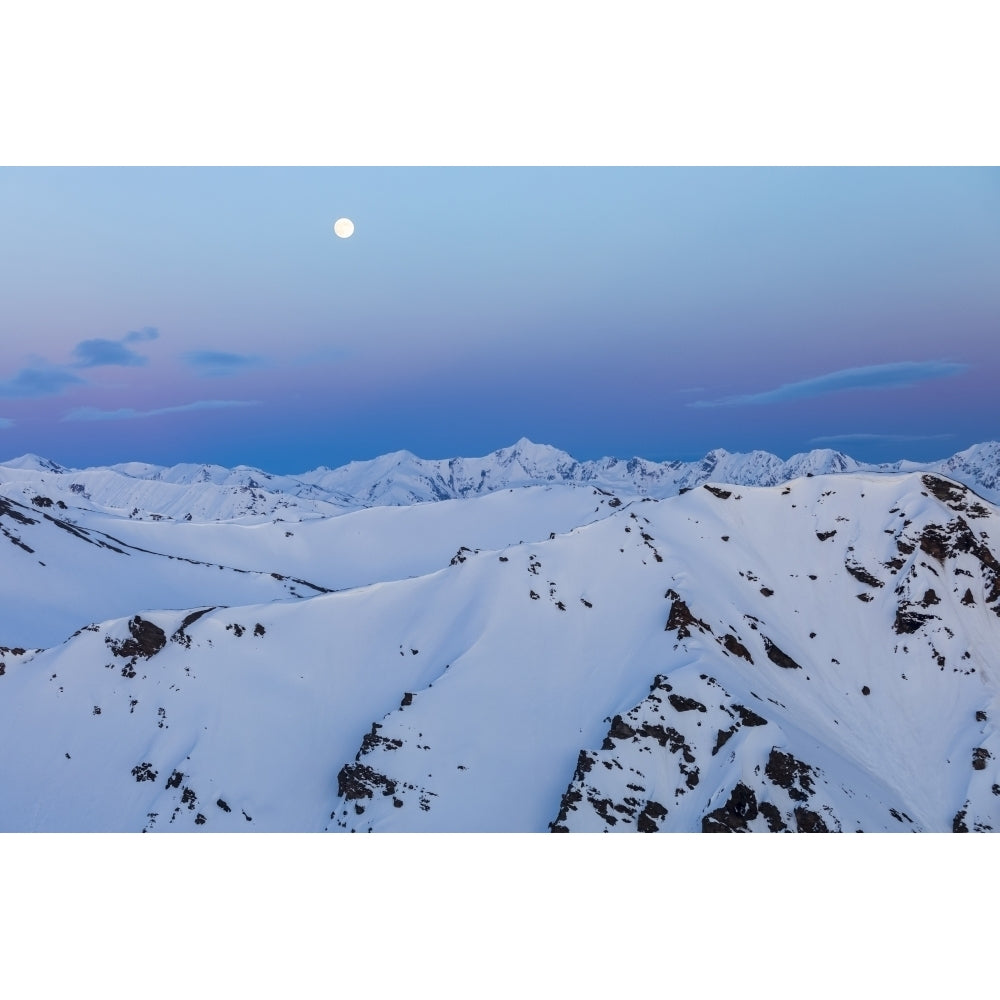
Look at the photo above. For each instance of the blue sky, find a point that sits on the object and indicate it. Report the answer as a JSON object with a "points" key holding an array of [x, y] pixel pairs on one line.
{"points": [[211, 314]]}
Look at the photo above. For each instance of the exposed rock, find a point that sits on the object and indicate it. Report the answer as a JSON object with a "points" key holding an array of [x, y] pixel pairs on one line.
{"points": [[373, 740], [144, 772], [652, 811], [952, 494], [860, 573], [357, 781], [793, 775], [934, 542], [682, 704], [807, 821], [907, 622], [180, 634], [958, 537], [722, 738], [147, 639], [8, 508], [740, 809], [772, 814], [748, 717], [681, 620], [777, 656], [620, 730], [719, 492], [734, 646], [667, 734]]}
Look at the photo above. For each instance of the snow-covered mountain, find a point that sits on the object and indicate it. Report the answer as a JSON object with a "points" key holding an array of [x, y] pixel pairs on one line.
{"points": [[66, 567], [402, 478], [812, 654], [203, 493], [178, 493]]}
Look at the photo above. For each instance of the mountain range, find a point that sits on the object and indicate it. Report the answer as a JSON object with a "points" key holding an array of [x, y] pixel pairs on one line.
{"points": [[739, 644], [212, 492]]}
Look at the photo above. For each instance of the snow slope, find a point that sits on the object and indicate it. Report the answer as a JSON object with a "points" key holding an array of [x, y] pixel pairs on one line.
{"points": [[60, 574], [807, 656], [69, 566], [181, 493]]}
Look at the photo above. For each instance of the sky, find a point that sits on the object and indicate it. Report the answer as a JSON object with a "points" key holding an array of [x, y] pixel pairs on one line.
{"points": [[212, 315]]}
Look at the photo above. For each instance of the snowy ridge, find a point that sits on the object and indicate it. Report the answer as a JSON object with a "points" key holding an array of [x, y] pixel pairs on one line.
{"points": [[212, 493], [180, 493], [67, 566], [62, 570], [403, 478], [812, 655]]}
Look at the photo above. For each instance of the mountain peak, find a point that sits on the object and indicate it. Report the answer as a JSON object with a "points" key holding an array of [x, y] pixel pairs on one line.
{"points": [[34, 462], [527, 447]]}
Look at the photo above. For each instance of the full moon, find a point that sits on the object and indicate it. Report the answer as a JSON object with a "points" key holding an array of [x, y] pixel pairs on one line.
{"points": [[343, 228]]}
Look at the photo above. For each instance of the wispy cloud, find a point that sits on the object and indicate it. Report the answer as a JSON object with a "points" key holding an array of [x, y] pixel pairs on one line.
{"points": [[5, 422], [101, 351], [42, 378], [864, 438], [892, 376], [214, 364], [92, 413], [146, 333], [38, 380], [97, 353]]}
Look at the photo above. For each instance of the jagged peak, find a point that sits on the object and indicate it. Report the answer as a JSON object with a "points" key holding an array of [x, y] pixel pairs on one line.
{"points": [[523, 444], [822, 457], [528, 448], [984, 451]]}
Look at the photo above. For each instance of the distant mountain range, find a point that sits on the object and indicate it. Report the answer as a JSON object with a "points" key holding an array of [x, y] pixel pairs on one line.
{"points": [[211, 492]]}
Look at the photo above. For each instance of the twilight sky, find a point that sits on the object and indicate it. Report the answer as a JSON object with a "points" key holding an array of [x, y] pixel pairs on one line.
{"points": [[211, 314]]}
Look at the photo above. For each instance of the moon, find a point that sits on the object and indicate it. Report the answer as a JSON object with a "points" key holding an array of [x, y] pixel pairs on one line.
{"points": [[343, 228]]}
